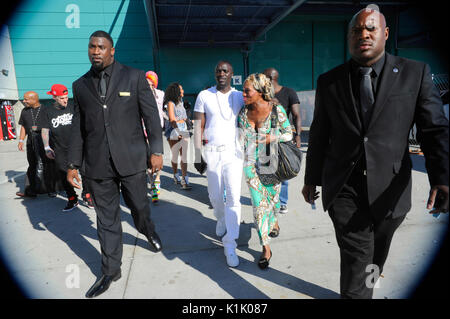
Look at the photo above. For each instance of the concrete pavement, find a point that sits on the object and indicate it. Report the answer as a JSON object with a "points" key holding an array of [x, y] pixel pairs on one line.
{"points": [[57, 255]]}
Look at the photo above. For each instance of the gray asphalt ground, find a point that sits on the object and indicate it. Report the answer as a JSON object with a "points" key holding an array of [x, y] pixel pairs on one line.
{"points": [[54, 254]]}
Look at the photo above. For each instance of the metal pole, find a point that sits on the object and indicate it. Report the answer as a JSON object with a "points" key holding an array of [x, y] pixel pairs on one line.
{"points": [[279, 18]]}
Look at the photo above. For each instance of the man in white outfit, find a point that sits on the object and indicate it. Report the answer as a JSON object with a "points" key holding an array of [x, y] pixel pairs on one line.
{"points": [[216, 110]]}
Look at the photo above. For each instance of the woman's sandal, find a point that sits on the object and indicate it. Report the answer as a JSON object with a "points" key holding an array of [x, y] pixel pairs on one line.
{"points": [[275, 232], [263, 262]]}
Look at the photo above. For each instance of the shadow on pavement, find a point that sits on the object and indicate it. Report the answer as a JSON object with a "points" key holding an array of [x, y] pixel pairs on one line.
{"points": [[72, 228], [185, 233], [189, 236], [418, 163], [198, 192], [12, 173]]}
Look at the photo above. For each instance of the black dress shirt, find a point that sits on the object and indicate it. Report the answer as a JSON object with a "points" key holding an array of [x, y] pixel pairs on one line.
{"points": [[111, 171], [377, 67], [356, 79], [108, 72]]}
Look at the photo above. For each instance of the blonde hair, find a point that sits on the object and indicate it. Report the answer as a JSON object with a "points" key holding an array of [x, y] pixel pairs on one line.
{"points": [[262, 84]]}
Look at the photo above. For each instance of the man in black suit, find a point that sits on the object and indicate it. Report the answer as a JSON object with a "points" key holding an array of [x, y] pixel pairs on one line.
{"points": [[109, 147], [358, 149]]}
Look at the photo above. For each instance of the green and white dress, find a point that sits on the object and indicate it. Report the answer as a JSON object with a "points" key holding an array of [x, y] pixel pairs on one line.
{"points": [[265, 198]]}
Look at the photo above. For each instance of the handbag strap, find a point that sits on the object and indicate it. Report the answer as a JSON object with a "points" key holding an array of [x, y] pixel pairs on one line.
{"points": [[273, 124], [274, 117]]}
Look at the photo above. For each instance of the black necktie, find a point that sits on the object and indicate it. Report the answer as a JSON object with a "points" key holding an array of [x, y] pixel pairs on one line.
{"points": [[102, 85], [366, 94]]}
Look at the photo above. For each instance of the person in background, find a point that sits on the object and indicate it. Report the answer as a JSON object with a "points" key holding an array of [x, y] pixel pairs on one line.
{"points": [[177, 132], [215, 135], [56, 122], [289, 100], [36, 182], [152, 79], [255, 124]]}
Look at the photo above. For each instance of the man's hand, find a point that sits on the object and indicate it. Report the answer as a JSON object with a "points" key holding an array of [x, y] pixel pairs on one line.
{"points": [[310, 194], [71, 174], [20, 146], [298, 141], [155, 163], [438, 199], [50, 153]]}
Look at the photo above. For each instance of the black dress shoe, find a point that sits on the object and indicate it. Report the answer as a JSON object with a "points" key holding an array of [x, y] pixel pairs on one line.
{"points": [[275, 232], [263, 262], [102, 284], [155, 241]]}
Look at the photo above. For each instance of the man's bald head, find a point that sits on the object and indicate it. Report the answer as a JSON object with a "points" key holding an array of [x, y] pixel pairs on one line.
{"points": [[224, 62], [368, 11], [367, 36], [224, 73], [272, 74], [31, 99]]}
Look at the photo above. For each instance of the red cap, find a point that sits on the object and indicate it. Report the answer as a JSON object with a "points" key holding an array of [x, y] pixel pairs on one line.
{"points": [[57, 90]]}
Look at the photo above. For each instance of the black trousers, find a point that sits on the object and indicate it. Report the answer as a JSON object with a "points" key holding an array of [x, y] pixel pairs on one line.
{"points": [[68, 188], [363, 240], [39, 184], [84, 187], [106, 196]]}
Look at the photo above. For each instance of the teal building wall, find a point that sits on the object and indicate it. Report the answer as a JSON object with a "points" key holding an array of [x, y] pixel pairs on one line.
{"points": [[411, 23], [194, 68], [301, 48], [49, 47]]}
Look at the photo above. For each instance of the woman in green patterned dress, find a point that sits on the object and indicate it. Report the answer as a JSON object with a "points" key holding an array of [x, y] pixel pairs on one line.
{"points": [[255, 133]]}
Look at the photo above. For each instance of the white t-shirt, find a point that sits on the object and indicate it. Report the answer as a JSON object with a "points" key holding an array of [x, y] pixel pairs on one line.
{"points": [[159, 97], [221, 111]]}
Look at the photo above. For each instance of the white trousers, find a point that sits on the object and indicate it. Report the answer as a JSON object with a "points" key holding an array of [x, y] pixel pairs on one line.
{"points": [[224, 172]]}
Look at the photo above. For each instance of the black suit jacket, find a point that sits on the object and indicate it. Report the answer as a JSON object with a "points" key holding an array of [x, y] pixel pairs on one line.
{"points": [[405, 95], [114, 128]]}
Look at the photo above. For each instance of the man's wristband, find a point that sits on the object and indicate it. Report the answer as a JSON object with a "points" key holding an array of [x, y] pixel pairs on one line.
{"points": [[20, 141], [47, 148], [72, 166], [157, 154]]}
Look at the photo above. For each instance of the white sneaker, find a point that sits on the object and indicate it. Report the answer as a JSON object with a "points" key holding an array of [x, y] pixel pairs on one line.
{"points": [[176, 178], [221, 227], [283, 209], [184, 184], [232, 258]]}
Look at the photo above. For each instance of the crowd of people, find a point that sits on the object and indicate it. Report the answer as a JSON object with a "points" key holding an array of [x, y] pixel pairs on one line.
{"points": [[48, 129], [357, 149]]}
